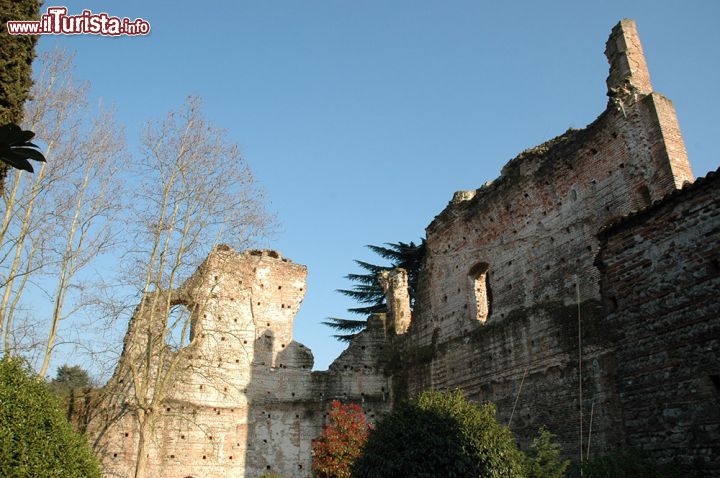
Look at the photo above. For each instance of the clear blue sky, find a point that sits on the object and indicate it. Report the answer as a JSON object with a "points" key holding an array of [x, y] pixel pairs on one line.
{"points": [[361, 118]]}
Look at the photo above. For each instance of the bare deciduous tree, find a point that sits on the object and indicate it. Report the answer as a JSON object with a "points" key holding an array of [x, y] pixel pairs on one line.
{"points": [[60, 220], [196, 191], [189, 190], [87, 204], [55, 105]]}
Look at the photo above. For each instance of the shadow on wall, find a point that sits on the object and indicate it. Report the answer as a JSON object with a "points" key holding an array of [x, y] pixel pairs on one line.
{"points": [[282, 415]]}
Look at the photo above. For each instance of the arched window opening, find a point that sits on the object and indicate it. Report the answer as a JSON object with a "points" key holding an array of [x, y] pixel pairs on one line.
{"points": [[480, 291], [179, 327]]}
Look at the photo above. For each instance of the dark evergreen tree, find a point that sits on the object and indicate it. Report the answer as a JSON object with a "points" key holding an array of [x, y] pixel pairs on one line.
{"points": [[70, 378], [367, 290], [16, 55]]}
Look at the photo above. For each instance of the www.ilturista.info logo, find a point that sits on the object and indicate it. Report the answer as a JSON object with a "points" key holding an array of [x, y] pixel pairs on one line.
{"points": [[57, 22]]}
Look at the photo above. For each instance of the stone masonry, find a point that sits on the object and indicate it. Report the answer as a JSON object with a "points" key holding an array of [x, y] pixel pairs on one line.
{"points": [[660, 282], [579, 291], [243, 401], [533, 233]]}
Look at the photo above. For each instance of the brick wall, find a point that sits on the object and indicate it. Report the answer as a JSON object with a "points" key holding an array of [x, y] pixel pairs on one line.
{"points": [[534, 228], [661, 278], [512, 308], [242, 399]]}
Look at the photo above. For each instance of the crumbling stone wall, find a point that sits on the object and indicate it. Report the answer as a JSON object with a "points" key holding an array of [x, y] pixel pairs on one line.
{"points": [[397, 295], [244, 399], [532, 232], [660, 282], [608, 337]]}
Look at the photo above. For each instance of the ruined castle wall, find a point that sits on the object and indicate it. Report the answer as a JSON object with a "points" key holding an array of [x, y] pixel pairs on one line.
{"points": [[397, 294], [362, 371], [661, 277], [518, 298], [241, 399], [507, 265]]}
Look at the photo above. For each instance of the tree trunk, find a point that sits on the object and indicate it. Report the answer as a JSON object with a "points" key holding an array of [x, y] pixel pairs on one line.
{"points": [[141, 455]]}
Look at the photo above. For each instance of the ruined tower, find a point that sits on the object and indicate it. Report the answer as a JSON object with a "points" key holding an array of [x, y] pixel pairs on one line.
{"points": [[397, 298], [242, 398]]}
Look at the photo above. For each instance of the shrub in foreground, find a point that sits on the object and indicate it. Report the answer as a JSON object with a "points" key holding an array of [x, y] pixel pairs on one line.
{"points": [[440, 434], [341, 441], [35, 437], [543, 460]]}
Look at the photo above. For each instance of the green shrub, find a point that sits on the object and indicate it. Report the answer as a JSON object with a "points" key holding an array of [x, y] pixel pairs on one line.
{"points": [[624, 462], [544, 461], [440, 434], [35, 437]]}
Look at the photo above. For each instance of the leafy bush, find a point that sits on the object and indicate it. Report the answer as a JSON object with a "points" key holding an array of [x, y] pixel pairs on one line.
{"points": [[544, 460], [35, 437], [440, 434], [624, 462], [341, 441]]}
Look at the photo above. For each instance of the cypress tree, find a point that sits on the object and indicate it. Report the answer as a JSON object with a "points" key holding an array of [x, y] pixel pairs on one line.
{"points": [[16, 56]]}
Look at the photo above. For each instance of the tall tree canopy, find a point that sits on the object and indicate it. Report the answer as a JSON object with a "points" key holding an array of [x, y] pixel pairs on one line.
{"points": [[367, 290]]}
